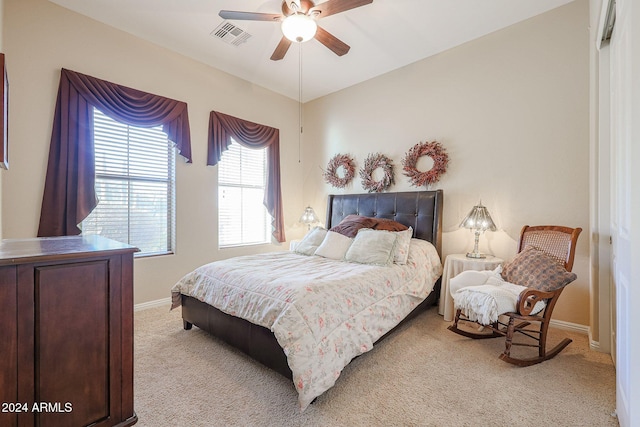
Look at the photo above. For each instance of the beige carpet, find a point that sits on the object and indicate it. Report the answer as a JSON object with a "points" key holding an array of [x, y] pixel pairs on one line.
{"points": [[422, 375]]}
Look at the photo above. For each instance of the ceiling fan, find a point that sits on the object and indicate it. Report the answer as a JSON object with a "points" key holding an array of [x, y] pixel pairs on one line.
{"points": [[298, 22]]}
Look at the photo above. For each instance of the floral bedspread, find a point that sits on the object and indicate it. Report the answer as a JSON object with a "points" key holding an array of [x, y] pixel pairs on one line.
{"points": [[322, 312]]}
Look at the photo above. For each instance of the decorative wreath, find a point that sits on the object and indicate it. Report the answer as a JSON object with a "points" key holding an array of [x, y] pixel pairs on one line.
{"points": [[331, 174], [440, 161], [373, 162]]}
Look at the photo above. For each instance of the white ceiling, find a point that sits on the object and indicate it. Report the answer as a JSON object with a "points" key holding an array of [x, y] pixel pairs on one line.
{"points": [[384, 35]]}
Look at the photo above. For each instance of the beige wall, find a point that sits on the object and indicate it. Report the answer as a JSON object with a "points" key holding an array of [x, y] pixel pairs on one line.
{"points": [[40, 38], [512, 109]]}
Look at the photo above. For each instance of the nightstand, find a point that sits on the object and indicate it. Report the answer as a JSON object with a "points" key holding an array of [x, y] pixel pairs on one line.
{"points": [[455, 264]]}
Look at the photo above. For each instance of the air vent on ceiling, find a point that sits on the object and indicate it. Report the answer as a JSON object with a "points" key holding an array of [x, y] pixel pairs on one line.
{"points": [[231, 34]]}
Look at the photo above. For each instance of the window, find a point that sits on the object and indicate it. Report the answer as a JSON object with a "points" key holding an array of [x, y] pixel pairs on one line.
{"points": [[242, 217], [135, 186]]}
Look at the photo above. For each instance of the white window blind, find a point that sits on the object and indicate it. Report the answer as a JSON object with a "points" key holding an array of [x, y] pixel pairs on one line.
{"points": [[135, 186], [242, 217]]}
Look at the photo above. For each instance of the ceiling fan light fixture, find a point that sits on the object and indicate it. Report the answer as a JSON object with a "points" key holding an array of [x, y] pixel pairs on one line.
{"points": [[299, 27]]}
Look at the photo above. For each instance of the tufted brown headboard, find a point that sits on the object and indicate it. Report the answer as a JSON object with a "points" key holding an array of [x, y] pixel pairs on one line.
{"points": [[421, 210]]}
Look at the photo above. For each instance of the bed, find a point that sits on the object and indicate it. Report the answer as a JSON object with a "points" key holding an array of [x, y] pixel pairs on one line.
{"points": [[267, 340]]}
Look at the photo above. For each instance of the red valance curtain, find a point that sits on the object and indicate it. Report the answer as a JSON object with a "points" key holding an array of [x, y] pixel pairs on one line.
{"points": [[222, 128], [69, 193]]}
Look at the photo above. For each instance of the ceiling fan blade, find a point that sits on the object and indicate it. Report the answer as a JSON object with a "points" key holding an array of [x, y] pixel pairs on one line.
{"points": [[281, 49], [332, 42], [249, 16], [332, 7]]}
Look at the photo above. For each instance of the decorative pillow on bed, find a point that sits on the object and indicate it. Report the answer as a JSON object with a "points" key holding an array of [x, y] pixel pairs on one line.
{"points": [[389, 225], [311, 241], [403, 241], [533, 268], [334, 246], [350, 225], [372, 247]]}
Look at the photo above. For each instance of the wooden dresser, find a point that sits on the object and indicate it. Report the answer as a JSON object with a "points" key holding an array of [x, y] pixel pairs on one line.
{"points": [[66, 322]]}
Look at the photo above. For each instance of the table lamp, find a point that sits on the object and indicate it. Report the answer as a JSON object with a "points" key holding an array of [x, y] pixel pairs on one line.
{"points": [[309, 217], [480, 221]]}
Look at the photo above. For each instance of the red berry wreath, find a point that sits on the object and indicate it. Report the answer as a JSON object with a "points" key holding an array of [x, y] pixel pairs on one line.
{"points": [[373, 162], [331, 174], [440, 161]]}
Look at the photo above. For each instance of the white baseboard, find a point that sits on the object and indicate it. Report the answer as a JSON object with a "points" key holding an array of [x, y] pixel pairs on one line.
{"points": [[594, 345], [164, 302], [568, 326], [581, 329]]}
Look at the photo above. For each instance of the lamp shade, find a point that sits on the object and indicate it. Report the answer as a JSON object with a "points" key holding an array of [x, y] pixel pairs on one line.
{"points": [[299, 27], [309, 216], [478, 219]]}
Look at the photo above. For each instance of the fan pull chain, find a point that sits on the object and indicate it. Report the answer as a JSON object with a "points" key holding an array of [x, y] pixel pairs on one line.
{"points": [[299, 100]]}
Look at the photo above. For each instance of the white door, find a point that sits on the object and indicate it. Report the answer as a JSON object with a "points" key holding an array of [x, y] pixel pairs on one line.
{"points": [[625, 166]]}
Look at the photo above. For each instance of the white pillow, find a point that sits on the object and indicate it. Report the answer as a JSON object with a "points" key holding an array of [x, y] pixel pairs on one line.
{"points": [[372, 247], [311, 241], [403, 241], [334, 246]]}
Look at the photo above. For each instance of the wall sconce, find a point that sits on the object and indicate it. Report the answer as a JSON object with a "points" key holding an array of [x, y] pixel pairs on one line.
{"points": [[309, 217], [480, 221]]}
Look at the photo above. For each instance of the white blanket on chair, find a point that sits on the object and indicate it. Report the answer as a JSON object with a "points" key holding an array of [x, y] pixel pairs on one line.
{"points": [[483, 295]]}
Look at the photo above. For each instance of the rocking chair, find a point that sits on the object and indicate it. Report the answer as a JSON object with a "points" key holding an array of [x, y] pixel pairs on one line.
{"points": [[541, 269]]}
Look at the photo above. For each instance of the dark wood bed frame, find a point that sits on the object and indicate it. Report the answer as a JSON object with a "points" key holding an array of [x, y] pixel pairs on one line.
{"points": [[421, 210]]}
